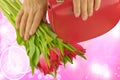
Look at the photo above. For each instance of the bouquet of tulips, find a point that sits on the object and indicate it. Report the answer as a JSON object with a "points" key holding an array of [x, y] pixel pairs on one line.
{"points": [[45, 50]]}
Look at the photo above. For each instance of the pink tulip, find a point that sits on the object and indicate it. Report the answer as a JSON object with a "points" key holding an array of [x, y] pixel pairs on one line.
{"points": [[72, 55], [54, 59]]}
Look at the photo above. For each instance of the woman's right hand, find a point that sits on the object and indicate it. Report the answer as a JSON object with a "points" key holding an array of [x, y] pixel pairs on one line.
{"points": [[30, 16], [85, 8]]}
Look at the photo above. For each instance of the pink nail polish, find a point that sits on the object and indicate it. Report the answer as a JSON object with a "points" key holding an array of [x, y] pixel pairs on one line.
{"points": [[96, 9], [31, 33], [21, 34], [26, 38], [77, 15], [91, 13], [84, 18]]}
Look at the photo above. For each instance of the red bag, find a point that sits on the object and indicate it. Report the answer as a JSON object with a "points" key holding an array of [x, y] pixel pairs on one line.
{"points": [[74, 30]]}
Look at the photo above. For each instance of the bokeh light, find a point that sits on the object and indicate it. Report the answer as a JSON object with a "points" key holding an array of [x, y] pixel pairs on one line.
{"points": [[101, 70], [14, 62]]}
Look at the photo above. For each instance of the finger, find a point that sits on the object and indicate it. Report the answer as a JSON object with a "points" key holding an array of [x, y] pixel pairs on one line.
{"points": [[18, 18], [97, 4], [29, 24], [23, 24], [90, 7], [37, 19], [76, 7], [84, 9]]}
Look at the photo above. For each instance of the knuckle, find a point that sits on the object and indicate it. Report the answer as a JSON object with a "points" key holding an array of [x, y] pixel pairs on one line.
{"points": [[84, 1], [90, 8], [18, 14], [23, 20], [29, 21], [76, 1], [76, 12], [77, 9], [84, 10], [90, 2], [27, 31]]}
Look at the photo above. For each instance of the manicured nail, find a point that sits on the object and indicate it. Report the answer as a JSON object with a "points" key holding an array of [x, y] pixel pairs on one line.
{"points": [[96, 9], [21, 34], [26, 38], [84, 18], [91, 13], [31, 33], [77, 14]]}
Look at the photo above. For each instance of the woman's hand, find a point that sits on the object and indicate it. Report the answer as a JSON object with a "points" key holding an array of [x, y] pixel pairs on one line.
{"points": [[30, 16], [85, 8]]}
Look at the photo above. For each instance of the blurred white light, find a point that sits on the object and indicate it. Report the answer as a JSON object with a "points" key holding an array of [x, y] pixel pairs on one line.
{"points": [[3, 30], [40, 76], [14, 62], [1, 76], [74, 65], [116, 30], [101, 70], [30, 75]]}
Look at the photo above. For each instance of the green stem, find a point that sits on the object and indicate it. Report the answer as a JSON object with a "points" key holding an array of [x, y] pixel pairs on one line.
{"points": [[12, 4], [8, 8], [18, 2], [48, 38], [48, 30]]}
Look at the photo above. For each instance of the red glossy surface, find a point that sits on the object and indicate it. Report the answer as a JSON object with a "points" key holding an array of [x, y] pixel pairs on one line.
{"points": [[74, 30]]}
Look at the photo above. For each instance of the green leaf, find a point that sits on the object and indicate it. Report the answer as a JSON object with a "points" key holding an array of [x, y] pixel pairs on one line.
{"points": [[32, 47], [12, 4], [69, 47], [45, 52], [36, 56], [36, 40], [61, 48], [18, 3], [81, 54], [64, 60], [68, 59], [54, 74], [9, 8], [20, 40], [32, 66], [48, 30], [47, 59], [27, 47], [47, 37]]}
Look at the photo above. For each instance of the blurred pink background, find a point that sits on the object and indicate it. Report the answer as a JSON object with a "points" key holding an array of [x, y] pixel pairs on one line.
{"points": [[103, 58]]}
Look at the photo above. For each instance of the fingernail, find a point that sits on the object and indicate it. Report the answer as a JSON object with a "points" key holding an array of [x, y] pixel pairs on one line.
{"points": [[26, 38], [96, 9], [31, 33], [84, 18], [77, 14], [21, 34], [91, 13]]}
